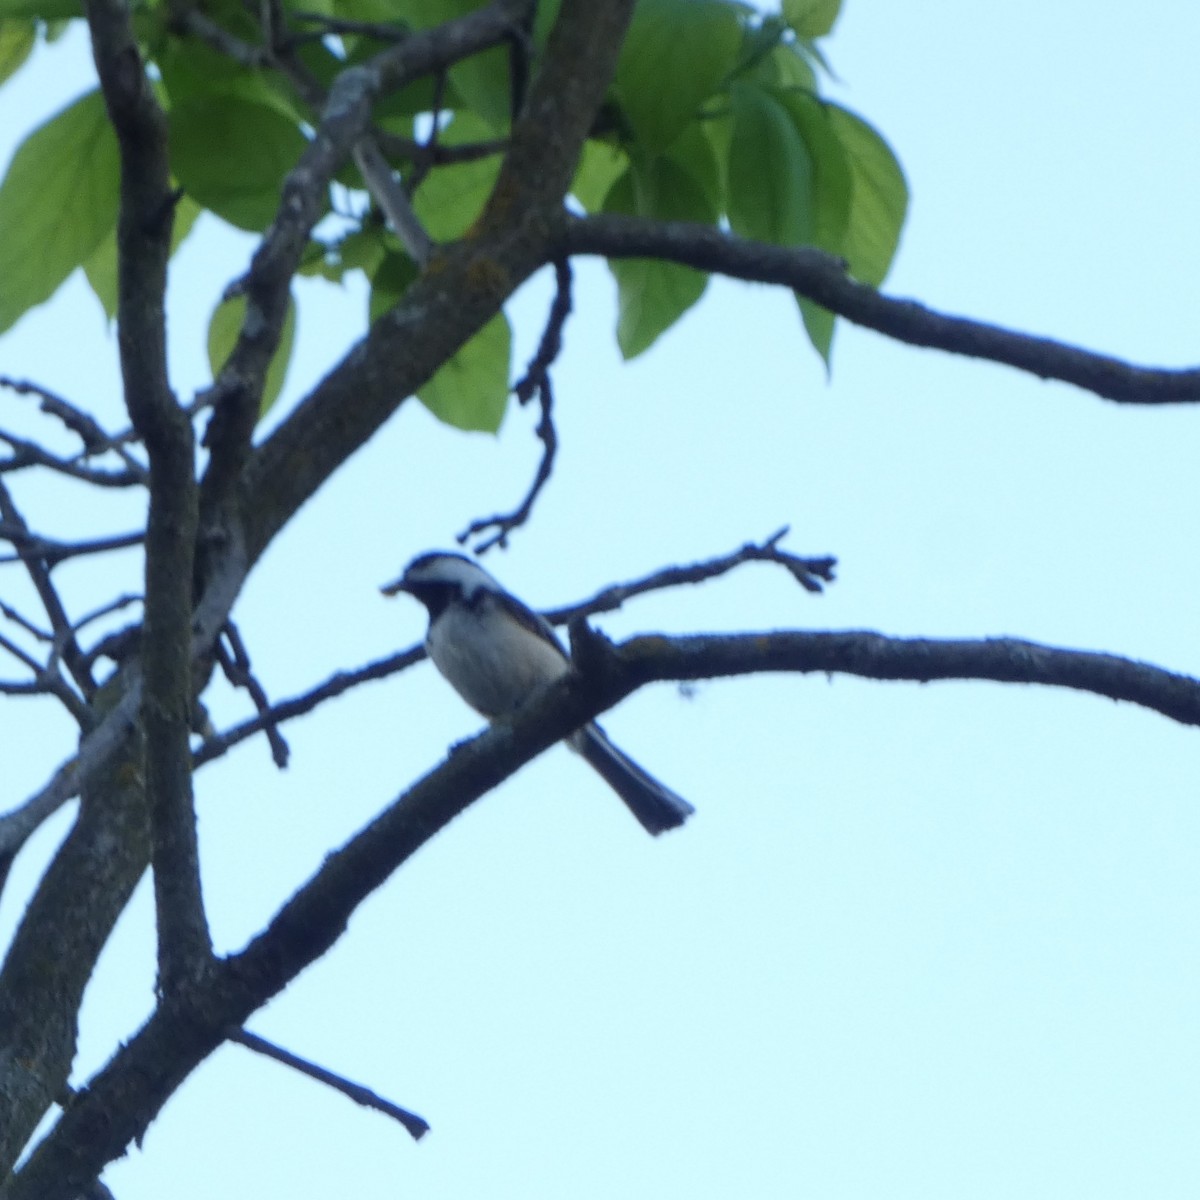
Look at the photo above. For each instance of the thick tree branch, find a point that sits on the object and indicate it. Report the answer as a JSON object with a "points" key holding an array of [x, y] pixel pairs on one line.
{"points": [[343, 121], [143, 248], [473, 279], [822, 278], [126, 1094]]}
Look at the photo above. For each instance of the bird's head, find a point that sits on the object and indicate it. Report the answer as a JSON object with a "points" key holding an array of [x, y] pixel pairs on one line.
{"points": [[441, 577]]}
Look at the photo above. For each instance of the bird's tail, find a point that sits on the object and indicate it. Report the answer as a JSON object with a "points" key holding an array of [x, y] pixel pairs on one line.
{"points": [[655, 806]]}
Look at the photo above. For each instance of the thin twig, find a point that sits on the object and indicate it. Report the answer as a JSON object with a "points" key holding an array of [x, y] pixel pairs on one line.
{"points": [[436, 154], [235, 662], [39, 575], [416, 1126], [536, 382], [300, 705], [96, 440], [17, 619], [26, 660], [810, 573], [29, 454], [46, 681], [430, 146], [52, 552]]}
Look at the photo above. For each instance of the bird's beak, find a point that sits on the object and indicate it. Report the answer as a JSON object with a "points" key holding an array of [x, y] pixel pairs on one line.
{"points": [[392, 589]]}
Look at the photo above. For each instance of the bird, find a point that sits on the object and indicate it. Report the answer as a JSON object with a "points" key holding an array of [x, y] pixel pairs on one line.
{"points": [[496, 652]]}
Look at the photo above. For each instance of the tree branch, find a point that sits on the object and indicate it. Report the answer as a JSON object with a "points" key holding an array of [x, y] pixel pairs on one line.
{"points": [[299, 706], [265, 286], [536, 382], [39, 575], [52, 552], [125, 1095], [417, 1126], [235, 663], [822, 278], [96, 440], [143, 248], [442, 309]]}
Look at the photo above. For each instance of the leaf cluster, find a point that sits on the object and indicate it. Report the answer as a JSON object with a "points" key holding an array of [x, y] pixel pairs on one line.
{"points": [[715, 116]]}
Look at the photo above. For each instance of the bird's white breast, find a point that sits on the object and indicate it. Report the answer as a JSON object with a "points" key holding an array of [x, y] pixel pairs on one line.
{"points": [[491, 660]]}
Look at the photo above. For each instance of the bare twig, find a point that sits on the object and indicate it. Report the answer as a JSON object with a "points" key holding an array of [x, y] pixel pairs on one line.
{"points": [[235, 662], [810, 573], [39, 575], [95, 439], [431, 145], [17, 619], [416, 1126], [52, 552], [435, 153], [29, 454], [205, 29], [823, 279], [46, 681], [299, 706], [536, 382], [26, 660]]}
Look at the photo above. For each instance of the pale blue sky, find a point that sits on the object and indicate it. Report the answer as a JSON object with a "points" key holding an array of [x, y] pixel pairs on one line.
{"points": [[919, 942]]}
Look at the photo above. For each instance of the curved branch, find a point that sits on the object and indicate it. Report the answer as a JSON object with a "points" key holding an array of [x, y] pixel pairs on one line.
{"points": [[472, 280], [266, 285], [822, 278], [535, 382], [124, 1096]]}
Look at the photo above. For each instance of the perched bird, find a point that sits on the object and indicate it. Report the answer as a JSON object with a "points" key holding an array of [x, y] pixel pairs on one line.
{"points": [[495, 652]]}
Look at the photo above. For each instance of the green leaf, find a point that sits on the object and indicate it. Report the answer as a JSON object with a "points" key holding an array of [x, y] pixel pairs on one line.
{"points": [[470, 391], [811, 18], [879, 201], [785, 66], [481, 80], [58, 202], [17, 38], [770, 171], [389, 281], [41, 10], [543, 20], [452, 196], [676, 55], [100, 266], [223, 330], [599, 167], [819, 325], [195, 74], [832, 177], [653, 295], [231, 155], [833, 192]]}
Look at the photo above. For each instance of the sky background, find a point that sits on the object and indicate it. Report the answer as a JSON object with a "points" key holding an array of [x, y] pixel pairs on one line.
{"points": [[918, 941]]}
